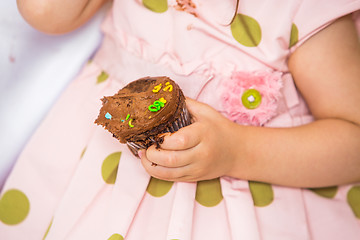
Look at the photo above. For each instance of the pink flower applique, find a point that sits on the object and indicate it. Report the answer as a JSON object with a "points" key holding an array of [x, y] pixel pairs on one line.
{"points": [[186, 6], [251, 98]]}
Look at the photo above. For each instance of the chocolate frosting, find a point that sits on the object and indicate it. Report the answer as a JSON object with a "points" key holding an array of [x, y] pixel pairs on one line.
{"points": [[127, 115]]}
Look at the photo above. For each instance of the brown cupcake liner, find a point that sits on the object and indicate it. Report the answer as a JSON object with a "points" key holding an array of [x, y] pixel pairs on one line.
{"points": [[183, 121]]}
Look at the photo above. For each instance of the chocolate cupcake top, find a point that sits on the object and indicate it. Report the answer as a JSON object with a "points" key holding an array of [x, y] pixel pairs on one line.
{"points": [[142, 106]]}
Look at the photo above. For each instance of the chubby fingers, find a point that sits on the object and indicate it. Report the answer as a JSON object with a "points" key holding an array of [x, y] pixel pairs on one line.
{"points": [[166, 165], [191, 135], [185, 138], [168, 158]]}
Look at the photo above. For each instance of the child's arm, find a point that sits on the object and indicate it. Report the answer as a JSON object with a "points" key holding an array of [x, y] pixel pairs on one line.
{"points": [[326, 152], [58, 16]]}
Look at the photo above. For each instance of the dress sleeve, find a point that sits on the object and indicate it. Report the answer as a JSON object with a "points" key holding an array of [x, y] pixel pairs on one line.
{"points": [[313, 16]]}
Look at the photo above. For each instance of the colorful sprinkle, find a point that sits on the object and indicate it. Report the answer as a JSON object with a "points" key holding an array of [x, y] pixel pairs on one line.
{"points": [[127, 117], [130, 123], [162, 100], [168, 87], [157, 88], [108, 116], [153, 108], [157, 105]]}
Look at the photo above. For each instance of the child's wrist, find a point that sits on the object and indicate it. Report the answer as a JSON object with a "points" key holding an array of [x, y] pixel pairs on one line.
{"points": [[241, 149]]}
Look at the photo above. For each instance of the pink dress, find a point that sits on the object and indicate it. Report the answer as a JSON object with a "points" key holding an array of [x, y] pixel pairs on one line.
{"points": [[73, 180]]}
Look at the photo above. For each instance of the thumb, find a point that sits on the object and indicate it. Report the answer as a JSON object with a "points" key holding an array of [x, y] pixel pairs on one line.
{"points": [[198, 110]]}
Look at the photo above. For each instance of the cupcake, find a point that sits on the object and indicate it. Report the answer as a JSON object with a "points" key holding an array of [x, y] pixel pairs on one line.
{"points": [[143, 110]]}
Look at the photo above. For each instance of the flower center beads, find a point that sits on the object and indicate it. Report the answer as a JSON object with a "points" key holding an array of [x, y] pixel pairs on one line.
{"points": [[251, 99]]}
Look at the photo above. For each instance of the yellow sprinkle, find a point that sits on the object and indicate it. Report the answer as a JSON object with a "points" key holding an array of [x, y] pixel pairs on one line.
{"points": [[130, 123], [162, 100], [168, 87], [157, 88]]}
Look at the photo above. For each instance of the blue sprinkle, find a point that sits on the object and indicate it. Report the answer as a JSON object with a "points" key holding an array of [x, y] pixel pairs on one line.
{"points": [[108, 116]]}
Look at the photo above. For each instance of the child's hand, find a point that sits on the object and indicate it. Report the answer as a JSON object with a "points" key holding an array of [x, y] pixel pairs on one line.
{"points": [[202, 150]]}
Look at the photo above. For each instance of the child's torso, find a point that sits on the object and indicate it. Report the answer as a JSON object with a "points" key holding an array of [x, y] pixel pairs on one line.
{"points": [[194, 43]]}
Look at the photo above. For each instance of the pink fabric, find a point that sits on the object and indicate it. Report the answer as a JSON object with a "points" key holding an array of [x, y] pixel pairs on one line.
{"points": [[83, 184]]}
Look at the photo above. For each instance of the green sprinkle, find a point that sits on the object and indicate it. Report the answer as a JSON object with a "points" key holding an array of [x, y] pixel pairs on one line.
{"points": [[130, 123], [154, 108], [159, 103], [128, 116]]}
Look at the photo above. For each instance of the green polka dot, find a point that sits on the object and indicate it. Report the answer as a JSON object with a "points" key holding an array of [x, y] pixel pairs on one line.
{"points": [[103, 76], [158, 188], [353, 198], [262, 193], [116, 236], [208, 192], [246, 30], [327, 192], [82, 153], [48, 229], [158, 6], [14, 207], [110, 166], [294, 35]]}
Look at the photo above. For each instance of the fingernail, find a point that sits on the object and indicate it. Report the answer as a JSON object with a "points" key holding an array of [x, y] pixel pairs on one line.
{"points": [[141, 153], [162, 135]]}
